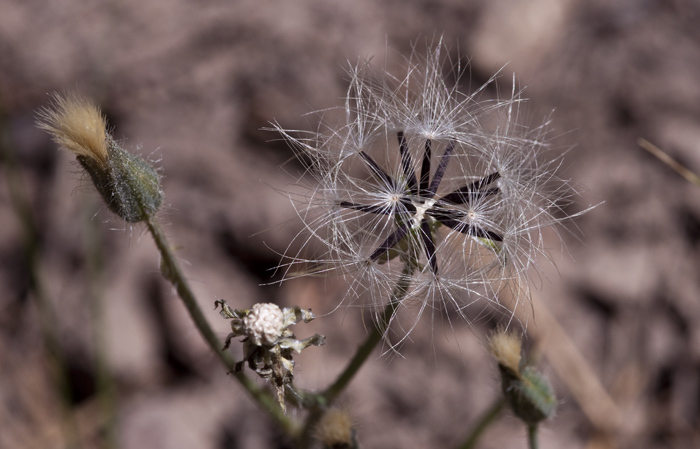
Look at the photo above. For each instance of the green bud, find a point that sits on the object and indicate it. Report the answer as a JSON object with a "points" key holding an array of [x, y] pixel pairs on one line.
{"points": [[529, 394], [127, 183]]}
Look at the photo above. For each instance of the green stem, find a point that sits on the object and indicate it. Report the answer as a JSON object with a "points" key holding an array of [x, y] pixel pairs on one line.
{"points": [[363, 352], [532, 436], [171, 270], [483, 423], [326, 398]]}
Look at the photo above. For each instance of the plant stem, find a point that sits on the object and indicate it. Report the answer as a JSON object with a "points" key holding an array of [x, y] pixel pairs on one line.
{"points": [[172, 271], [668, 160], [363, 352], [326, 398], [483, 423], [532, 436]]}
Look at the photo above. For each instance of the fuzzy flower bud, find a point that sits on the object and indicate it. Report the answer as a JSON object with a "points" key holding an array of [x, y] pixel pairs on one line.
{"points": [[129, 185], [530, 396], [527, 391], [336, 430]]}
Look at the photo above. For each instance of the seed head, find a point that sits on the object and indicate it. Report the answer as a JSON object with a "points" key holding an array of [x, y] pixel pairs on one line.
{"points": [[421, 173]]}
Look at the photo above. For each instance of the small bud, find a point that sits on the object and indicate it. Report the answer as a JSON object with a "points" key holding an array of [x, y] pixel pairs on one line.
{"points": [[335, 430], [127, 183], [528, 392], [531, 396]]}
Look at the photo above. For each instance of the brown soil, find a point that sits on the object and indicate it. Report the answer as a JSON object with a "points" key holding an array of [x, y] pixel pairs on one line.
{"points": [[192, 83]]}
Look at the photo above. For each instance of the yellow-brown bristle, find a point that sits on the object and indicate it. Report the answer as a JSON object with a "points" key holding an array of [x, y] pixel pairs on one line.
{"points": [[506, 347], [77, 125]]}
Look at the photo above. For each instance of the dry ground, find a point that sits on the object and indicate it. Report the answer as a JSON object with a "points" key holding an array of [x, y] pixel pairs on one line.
{"points": [[192, 83]]}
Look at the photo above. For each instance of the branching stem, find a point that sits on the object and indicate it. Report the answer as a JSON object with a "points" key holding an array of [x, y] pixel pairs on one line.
{"points": [[325, 399], [172, 271], [363, 352]]}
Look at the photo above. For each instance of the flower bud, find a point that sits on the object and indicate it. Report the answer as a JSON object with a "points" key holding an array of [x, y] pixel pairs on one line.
{"points": [[527, 391], [530, 396], [129, 185], [335, 430]]}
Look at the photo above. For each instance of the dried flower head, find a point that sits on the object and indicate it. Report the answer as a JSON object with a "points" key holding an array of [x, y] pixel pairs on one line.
{"points": [[268, 343], [420, 173], [264, 324]]}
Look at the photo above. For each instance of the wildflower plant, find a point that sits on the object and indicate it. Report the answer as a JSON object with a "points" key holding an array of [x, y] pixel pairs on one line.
{"points": [[130, 187], [421, 175], [423, 196]]}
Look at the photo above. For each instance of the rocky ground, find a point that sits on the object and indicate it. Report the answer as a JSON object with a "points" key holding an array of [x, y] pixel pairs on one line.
{"points": [[192, 83]]}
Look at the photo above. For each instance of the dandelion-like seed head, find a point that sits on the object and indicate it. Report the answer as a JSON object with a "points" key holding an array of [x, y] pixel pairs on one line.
{"points": [[420, 173]]}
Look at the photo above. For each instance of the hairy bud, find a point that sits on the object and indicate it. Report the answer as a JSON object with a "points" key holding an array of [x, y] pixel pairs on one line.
{"points": [[128, 184], [527, 391]]}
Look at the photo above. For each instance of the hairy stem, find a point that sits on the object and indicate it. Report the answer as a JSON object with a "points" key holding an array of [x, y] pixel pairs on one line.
{"points": [[172, 271]]}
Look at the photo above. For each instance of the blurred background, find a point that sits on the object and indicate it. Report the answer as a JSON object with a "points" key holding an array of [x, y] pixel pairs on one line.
{"points": [[191, 84]]}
